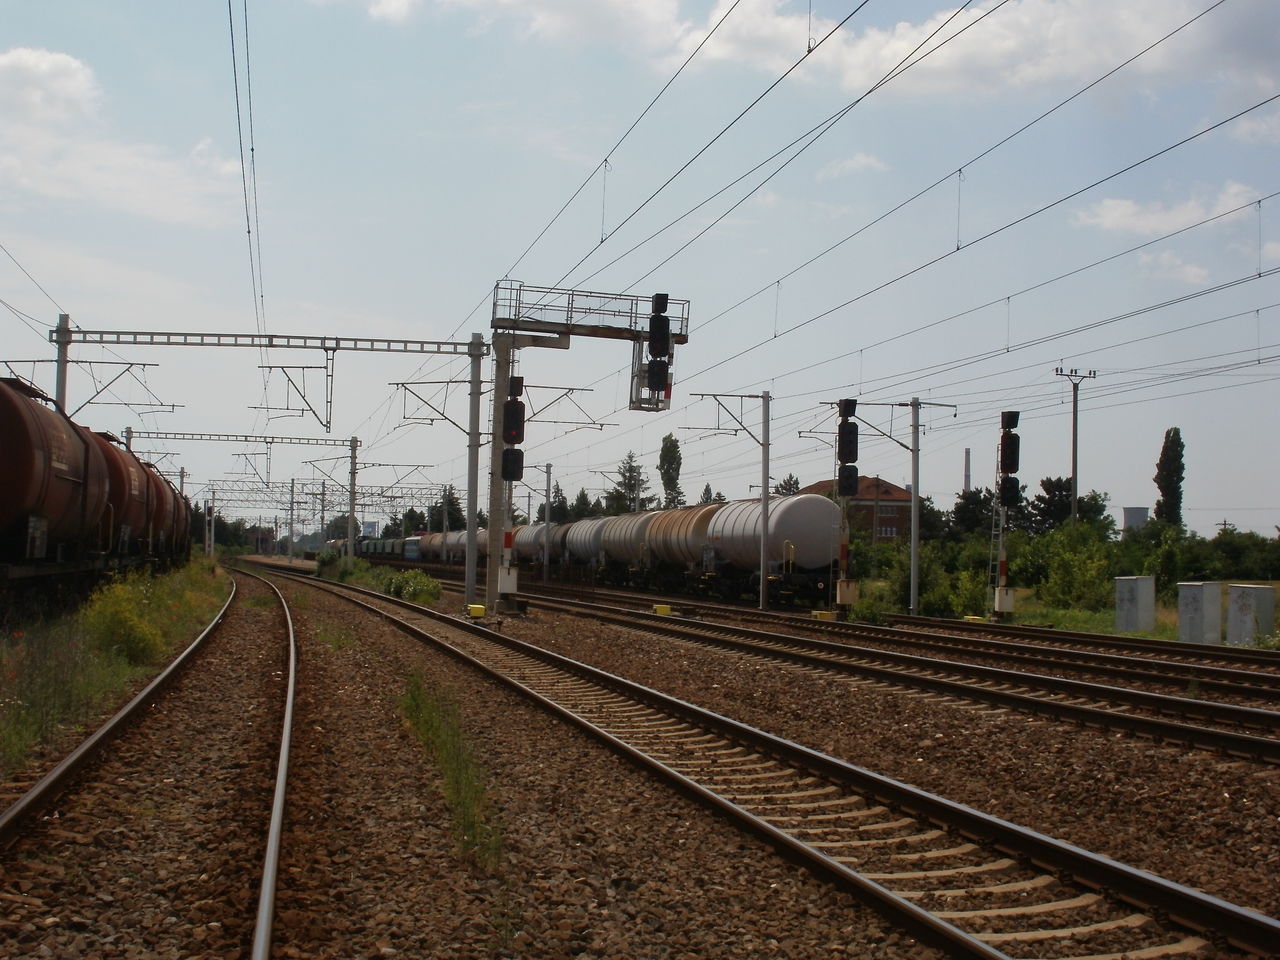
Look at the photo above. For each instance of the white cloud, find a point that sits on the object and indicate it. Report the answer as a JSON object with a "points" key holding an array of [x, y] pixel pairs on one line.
{"points": [[1171, 266], [394, 10], [1024, 42], [1258, 129], [854, 164], [52, 145], [1154, 219], [765, 198], [41, 84]]}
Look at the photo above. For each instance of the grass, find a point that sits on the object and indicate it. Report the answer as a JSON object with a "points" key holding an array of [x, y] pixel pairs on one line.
{"points": [[336, 637], [64, 670], [437, 721], [1028, 610]]}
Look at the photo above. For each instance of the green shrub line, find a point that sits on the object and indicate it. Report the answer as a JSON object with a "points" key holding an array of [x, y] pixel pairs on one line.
{"points": [[412, 585], [65, 670], [436, 720]]}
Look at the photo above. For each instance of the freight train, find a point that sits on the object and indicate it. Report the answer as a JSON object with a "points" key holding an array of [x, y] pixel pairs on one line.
{"points": [[73, 501], [711, 549]]}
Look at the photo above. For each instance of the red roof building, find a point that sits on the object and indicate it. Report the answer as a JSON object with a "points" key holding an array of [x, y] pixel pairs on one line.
{"points": [[881, 510]]}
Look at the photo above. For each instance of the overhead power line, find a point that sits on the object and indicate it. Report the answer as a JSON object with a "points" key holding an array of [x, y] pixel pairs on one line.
{"points": [[1003, 141], [825, 125], [603, 161], [1017, 221], [723, 130]]}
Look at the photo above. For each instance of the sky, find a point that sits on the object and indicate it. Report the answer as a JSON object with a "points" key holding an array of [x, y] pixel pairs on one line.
{"points": [[880, 200]]}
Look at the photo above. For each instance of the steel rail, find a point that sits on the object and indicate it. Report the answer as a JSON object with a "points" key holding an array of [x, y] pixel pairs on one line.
{"points": [[1263, 748], [1226, 680], [43, 792], [1246, 655], [919, 922], [1245, 928], [265, 918]]}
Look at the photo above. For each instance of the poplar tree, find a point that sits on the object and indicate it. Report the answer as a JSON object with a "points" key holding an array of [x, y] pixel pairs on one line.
{"points": [[669, 463], [1170, 472]]}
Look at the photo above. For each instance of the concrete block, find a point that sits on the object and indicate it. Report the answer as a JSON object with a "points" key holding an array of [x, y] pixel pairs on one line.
{"points": [[1251, 613], [1200, 612], [1003, 601], [1135, 604]]}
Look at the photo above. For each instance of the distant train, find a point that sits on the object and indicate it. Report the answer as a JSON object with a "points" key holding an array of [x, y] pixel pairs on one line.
{"points": [[75, 501], [711, 549]]}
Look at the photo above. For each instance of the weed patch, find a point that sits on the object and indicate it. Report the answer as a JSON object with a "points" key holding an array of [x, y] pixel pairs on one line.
{"points": [[437, 721], [338, 637], [62, 670]]}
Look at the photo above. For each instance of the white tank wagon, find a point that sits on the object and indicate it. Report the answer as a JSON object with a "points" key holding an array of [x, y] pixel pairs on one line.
{"points": [[624, 537], [560, 540], [431, 547], [585, 540], [454, 545], [804, 533], [529, 542], [679, 536]]}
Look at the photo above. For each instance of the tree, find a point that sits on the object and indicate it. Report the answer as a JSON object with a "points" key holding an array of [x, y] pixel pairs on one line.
{"points": [[706, 494], [457, 518], [559, 506], [669, 463], [719, 498], [1170, 472], [581, 505], [971, 514], [405, 524], [1051, 508], [628, 490], [787, 486], [336, 528], [932, 520]]}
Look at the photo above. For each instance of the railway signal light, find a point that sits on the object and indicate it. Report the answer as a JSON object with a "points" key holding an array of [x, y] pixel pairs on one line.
{"points": [[659, 332], [1010, 491], [1009, 444], [847, 449], [656, 377], [512, 464], [513, 421], [513, 430], [847, 442], [847, 480]]}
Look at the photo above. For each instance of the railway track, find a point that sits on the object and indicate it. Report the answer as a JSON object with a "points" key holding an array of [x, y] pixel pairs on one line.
{"points": [[1175, 650], [969, 883], [1245, 731], [139, 799], [1241, 675]]}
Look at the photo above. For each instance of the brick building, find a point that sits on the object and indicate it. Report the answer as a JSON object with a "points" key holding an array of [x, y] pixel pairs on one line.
{"points": [[881, 509]]}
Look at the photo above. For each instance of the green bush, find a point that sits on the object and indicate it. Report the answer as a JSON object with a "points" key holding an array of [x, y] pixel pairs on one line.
{"points": [[971, 593], [326, 562], [119, 619], [62, 671], [1078, 569], [415, 586], [874, 602]]}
